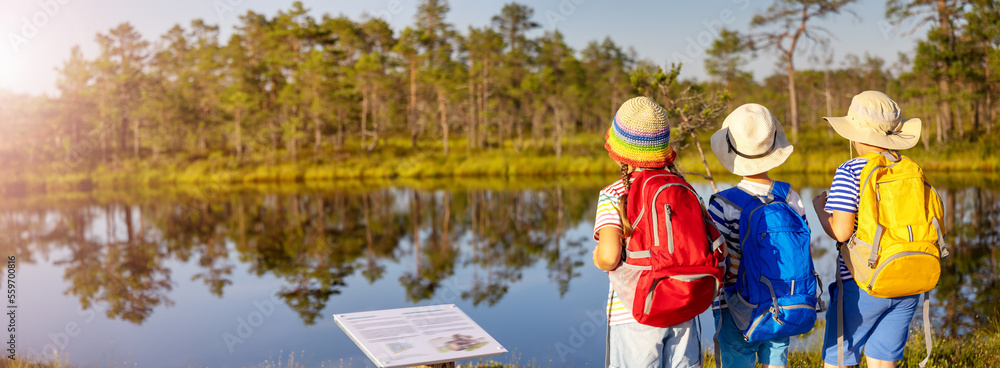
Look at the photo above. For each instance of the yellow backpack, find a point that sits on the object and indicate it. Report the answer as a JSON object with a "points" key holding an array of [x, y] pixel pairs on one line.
{"points": [[897, 248]]}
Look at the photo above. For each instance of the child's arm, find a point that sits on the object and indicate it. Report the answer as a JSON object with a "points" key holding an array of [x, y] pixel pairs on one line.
{"points": [[608, 252], [716, 212], [840, 225]]}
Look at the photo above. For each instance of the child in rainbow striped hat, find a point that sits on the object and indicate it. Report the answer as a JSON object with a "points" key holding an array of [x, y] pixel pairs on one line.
{"points": [[638, 139]]}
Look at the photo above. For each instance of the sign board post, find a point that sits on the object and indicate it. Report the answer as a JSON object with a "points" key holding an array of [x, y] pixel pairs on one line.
{"points": [[435, 336]]}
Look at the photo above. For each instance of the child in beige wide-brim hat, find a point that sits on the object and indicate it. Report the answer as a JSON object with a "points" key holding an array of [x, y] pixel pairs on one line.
{"points": [[876, 120], [879, 326]]}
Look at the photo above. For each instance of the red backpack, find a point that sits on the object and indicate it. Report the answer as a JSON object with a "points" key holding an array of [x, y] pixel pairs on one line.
{"points": [[674, 247]]}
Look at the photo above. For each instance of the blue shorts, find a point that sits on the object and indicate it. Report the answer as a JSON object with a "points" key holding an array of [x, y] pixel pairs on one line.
{"points": [[880, 326], [738, 353], [638, 345]]}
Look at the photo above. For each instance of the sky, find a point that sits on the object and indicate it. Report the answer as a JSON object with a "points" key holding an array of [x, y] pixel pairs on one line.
{"points": [[37, 35]]}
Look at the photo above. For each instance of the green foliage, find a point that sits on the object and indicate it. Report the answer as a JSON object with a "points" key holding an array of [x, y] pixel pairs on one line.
{"points": [[395, 160], [725, 57], [293, 96]]}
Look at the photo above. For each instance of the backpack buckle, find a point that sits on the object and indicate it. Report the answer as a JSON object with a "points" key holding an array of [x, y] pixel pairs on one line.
{"points": [[774, 315]]}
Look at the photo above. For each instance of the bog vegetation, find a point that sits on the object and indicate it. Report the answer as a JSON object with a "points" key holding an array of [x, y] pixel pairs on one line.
{"points": [[298, 94]]}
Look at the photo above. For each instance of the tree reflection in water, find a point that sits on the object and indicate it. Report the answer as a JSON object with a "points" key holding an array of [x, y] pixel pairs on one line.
{"points": [[124, 270], [969, 289], [115, 247]]}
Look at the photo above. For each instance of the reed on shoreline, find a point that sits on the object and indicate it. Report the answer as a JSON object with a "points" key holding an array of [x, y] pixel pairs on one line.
{"points": [[584, 155]]}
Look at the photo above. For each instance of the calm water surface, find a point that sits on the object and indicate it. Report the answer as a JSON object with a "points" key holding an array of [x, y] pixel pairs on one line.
{"points": [[233, 278]]}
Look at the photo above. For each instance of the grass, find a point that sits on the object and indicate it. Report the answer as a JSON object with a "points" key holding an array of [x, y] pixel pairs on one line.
{"points": [[980, 348], [583, 154]]}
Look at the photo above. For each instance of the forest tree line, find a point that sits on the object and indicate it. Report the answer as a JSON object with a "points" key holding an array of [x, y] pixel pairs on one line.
{"points": [[293, 86]]}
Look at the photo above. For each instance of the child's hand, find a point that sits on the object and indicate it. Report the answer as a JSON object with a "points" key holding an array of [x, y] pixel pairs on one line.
{"points": [[595, 258], [608, 252], [820, 202]]}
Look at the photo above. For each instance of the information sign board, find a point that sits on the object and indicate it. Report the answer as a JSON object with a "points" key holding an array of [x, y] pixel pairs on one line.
{"points": [[418, 336]]}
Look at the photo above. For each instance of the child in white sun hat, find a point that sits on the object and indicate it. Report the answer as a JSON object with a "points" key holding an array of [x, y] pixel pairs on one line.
{"points": [[750, 143]]}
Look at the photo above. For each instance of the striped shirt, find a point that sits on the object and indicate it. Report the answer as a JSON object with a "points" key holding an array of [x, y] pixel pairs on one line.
{"points": [[845, 197], [727, 220], [607, 207], [607, 215]]}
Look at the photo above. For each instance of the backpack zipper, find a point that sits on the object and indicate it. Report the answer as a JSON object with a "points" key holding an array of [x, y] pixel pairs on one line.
{"points": [[656, 223], [878, 196], [670, 229], [797, 306], [871, 282], [853, 252], [774, 316], [751, 216], [753, 326], [684, 278]]}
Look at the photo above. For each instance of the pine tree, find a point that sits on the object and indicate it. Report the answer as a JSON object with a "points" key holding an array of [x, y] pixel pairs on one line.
{"points": [[484, 45], [121, 64], [74, 93], [791, 18], [726, 59]]}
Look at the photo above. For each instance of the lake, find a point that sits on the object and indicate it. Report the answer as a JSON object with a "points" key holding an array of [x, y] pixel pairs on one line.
{"points": [[165, 276]]}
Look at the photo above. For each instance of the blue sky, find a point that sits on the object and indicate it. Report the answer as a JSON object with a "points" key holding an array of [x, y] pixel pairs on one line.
{"points": [[38, 35]]}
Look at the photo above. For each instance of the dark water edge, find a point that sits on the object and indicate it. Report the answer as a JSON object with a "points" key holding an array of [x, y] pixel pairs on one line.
{"points": [[159, 276]]}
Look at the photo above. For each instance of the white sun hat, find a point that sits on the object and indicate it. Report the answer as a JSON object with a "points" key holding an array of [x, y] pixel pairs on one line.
{"points": [[875, 119], [751, 141]]}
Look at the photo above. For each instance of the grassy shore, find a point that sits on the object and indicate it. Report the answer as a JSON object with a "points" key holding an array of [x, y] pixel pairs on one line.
{"points": [[396, 159], [977, 349]]}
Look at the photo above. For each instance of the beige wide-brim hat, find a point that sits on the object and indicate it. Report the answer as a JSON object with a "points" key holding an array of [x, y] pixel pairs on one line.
{"points": [[875, 119], [751, 141]]}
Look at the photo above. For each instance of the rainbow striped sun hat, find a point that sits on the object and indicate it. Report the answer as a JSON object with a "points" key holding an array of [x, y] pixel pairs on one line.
{"points": [[640, 135]]}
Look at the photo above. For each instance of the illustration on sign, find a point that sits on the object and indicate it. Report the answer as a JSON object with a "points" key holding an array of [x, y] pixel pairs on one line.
{"points": [[458, 342]]}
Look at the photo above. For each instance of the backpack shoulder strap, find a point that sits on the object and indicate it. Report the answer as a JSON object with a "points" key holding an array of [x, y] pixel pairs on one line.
{"points": [[871, 156], [735, 197], [927, 328], [641, 178], [891, 156], [780, 190], [875, 161]]}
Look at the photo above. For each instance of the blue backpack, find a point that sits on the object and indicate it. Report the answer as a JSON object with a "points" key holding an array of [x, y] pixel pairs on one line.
{"points": [[777, 290]]}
